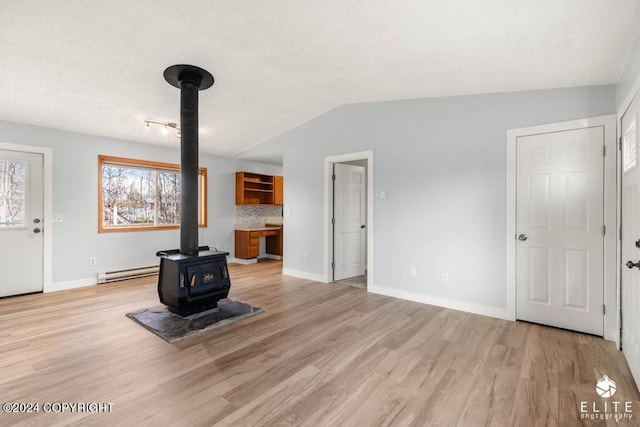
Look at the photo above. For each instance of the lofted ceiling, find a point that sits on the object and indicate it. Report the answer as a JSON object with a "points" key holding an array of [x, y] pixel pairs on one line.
{"points": [[96, 67]]}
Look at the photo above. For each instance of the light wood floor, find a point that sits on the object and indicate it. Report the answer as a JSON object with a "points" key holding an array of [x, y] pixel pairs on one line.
{"points": [[358, 281], [321, 354]]}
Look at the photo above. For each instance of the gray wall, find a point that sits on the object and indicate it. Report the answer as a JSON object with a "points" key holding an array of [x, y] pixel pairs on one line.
{"points": [[442, 163], [75, 183], [629, 75]]}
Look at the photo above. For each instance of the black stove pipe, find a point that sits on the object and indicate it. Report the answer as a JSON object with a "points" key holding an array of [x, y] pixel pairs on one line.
{"points": [[189, 79], [189, 168]]}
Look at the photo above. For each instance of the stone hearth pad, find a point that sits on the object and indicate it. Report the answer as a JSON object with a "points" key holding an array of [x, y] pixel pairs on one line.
{"points": [[172, 327]]}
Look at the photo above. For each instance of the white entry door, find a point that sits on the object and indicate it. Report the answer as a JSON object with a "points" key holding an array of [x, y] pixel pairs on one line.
{"points": [[349, 220], [560, 234], [630, 280], [21, 227]]}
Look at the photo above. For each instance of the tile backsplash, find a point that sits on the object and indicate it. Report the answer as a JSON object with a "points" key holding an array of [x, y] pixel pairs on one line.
{"points": [[258, 214]]}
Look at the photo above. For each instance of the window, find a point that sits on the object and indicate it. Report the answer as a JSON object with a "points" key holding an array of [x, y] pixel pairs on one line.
{"points": [[13, 187], [630, 147], [141, 195]]}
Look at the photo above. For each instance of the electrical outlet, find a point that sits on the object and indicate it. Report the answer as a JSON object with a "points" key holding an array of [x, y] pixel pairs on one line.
{"points": [[445, 276], [412, 272], [92, 260]]}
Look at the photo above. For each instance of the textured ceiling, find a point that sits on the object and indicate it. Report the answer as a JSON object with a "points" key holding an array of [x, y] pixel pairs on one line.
{"points": [[96, 66]]}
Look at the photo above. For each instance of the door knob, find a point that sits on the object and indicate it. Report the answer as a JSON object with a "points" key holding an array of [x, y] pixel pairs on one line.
{"points": [[638, 243], [362, 226], [36, 221], [631, 264], [36, 230], [522, 237]]}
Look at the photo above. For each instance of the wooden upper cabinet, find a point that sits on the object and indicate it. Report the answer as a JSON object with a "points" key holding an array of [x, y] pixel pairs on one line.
{"points": [[278, 190], [258, 189]]}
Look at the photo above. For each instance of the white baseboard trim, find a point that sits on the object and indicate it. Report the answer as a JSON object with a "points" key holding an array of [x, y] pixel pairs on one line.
{"points": [[304, 275], [71, 284], [242, 261], [441, 302]]}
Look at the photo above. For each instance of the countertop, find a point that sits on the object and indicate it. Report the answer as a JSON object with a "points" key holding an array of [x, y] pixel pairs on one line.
{"points": [[257, 228]]}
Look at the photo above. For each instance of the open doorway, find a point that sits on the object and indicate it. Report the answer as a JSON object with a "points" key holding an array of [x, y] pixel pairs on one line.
{"points": [[349, 207]]}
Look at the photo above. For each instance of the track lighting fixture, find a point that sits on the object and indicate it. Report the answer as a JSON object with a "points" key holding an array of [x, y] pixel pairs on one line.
{"points": [[165, 127]]}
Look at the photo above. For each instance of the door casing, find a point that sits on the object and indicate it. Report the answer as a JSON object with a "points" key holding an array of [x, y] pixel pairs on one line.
{"points": [[47, 154], [611, 218]]}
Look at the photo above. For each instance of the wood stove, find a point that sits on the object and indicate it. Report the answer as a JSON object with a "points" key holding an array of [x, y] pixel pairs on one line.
{"points": [[193, 278], [190, 284]]}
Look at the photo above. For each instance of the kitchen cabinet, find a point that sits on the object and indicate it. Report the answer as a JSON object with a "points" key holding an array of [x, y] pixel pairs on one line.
{"points": [[247, 244], [258, 189], [247, 241], [254, 189], [278, 190]]}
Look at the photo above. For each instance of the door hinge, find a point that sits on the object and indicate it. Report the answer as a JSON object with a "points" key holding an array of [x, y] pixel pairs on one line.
{"points": [[604, 151], [333, 177], [620, 143], [604, 309], [333, 265], [604, 230], [620, 232], [333, 221]]}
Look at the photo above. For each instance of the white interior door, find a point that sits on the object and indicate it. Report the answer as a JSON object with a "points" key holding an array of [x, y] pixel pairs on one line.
{"points": [[560, 235], [350, 221], [21, 214], [630, 278]]}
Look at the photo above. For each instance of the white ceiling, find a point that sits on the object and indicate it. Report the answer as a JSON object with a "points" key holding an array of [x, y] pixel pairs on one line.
{"points": [[95, 66]]}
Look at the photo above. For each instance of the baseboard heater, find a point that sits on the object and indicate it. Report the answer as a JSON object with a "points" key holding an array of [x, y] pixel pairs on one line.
{"points": [[130, 273]]}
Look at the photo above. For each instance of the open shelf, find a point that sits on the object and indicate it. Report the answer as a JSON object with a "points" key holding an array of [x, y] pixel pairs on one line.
{"points": [[255, 181], [258, 189]]}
